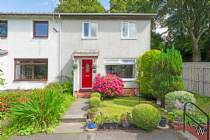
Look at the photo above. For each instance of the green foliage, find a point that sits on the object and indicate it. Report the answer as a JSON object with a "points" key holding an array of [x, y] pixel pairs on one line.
{"points": [[188, 20], [102, 118], [41, 112], [177, 99], [95, 94], [167, 73], [55, 86], [92, 110], [66, 87], [80, 6], [203, 102], [171, 117], [133, 6], [94, 102], [145, 73], [2, 81], [146, 117]]}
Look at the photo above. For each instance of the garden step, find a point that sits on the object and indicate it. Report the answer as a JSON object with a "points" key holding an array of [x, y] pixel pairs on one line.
{"points": [[73, 118], [70, 128]]}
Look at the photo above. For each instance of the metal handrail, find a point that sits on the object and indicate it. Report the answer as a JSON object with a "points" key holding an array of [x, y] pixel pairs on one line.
{"points": [[185, 114]]}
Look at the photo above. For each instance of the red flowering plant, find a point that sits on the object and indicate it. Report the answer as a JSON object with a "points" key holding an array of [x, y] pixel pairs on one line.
{"points": [[109, 85]]}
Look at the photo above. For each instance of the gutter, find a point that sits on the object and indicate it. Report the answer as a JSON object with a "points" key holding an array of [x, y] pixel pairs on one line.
{"points": [[60, 61]]}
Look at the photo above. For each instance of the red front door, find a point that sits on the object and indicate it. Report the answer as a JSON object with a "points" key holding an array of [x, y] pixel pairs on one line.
{"points": [[87, 65]]}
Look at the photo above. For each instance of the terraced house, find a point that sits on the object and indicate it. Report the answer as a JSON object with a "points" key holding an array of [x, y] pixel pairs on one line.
{"points": [[40, 48]]}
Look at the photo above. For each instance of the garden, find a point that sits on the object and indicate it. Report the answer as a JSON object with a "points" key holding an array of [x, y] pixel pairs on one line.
{"points": [[160, 103], [36, 111]]}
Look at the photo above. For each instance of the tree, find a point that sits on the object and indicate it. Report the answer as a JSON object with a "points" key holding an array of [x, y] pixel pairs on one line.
{"points": [[167, 73], [133, 6], [189, 17], [79, 6]]}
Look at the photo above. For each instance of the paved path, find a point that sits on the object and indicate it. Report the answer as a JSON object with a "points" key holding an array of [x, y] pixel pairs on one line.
{"points": [[109, 135], [74, 118]]}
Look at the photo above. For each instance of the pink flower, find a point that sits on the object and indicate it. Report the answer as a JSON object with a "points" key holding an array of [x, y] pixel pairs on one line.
{"points": [[110, 85]]}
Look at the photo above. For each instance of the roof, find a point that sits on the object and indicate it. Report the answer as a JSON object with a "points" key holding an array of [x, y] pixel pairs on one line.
{"points": [[82, 15]]}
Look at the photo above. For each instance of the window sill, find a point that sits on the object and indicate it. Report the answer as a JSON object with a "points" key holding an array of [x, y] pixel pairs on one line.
{"points": [[89, 38], [30, 80], [128, 79], [3, 37], [40, 37], [128, 38]]}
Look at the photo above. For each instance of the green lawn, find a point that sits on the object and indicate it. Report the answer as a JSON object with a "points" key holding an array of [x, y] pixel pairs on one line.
{"points": [[203, 102], [120, 105]]}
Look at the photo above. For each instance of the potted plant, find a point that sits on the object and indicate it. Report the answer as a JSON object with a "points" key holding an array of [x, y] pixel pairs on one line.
{"points": [[125, 120], [91, 112]]}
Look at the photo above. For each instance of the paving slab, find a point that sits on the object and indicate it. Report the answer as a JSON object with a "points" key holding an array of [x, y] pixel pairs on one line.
{"points": [[78, 108], [74, 118], [109, 135], [70, 128]]}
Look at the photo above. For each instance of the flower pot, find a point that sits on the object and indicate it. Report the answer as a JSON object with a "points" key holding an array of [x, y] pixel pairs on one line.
{"points": [[163, 122], [90, 116], [91, 126]]}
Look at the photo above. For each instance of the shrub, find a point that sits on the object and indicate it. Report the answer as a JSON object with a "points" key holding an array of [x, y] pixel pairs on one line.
{"points": [[109, 85], [177, 99], [144, 71], [67, 87], [55, 86], [95, 94], [167, 73], [146, 117], [94, 102], [11, 97], [43, 110]]}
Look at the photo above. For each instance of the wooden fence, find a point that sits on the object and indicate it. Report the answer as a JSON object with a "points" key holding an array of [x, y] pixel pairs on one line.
{"points": [[196, 76]]}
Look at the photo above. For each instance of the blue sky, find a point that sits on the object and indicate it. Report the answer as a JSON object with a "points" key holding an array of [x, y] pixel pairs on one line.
{"points": [[33, 5]]}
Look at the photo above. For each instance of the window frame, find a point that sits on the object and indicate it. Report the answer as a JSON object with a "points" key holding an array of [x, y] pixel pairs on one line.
{"points": [[4, 37], [89, 37], [29, 59], [128, 36], [34, 29], [108, 62]]}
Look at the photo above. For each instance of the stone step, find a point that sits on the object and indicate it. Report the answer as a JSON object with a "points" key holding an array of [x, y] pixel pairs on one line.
{"points": [[73, 118], [70, 128]]}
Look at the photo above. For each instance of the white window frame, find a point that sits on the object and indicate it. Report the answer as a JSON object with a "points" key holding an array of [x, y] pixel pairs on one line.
{"points": [[121, 62], [128, 37], [89, 33]]}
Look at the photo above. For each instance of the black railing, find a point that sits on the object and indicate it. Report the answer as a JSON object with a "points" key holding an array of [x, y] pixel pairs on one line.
{"points": [[199, 124]]}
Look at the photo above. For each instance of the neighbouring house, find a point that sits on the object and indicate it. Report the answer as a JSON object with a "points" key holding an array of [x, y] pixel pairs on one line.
{"points": [[40, 48]]}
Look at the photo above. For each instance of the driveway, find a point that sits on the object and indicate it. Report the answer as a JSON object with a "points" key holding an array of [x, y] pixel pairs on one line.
{"points": [[108, 135]]}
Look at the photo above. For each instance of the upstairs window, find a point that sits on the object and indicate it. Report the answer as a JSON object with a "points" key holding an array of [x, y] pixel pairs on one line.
{"points": [[128, 30], [31, 69], [3, 28], [41, 29], [89, 30]]}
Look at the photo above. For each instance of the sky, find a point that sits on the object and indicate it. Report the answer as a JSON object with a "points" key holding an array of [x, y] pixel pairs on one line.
{"points": [[33, 5]]}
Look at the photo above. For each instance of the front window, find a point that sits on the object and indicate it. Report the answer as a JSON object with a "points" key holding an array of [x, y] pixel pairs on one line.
{"points": [[31, 69], [122, 68], [128, 30], [3, 28], [90, 30], [40, 29]]}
